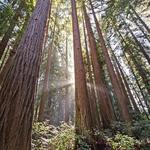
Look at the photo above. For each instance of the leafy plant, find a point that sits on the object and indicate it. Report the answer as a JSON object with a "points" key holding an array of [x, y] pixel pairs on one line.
{"points": [[122, 142], [65, 139]]}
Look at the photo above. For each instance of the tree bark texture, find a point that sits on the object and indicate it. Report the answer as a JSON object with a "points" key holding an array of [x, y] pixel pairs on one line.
{"points": [[102, 93], [18, 88], [122, 99], [83, 116]]}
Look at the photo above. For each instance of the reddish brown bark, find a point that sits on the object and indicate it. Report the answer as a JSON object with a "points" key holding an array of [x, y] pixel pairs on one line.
{"points": [[103, 97], [91, 90], [83, 116], [18, 88], [122, 102]]}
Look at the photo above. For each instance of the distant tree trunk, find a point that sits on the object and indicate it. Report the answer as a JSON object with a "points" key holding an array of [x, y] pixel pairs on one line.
{"points": [[138, 43], [7, 35], [45, 91], [139, 26], [138, 97], [146, 82], [126, 85], [140, 70], [18, 88], [66, 100], [83, 116], [137, 82], [139, 18], [46, 88], [122, 99], [92, 95], [105, 105]]}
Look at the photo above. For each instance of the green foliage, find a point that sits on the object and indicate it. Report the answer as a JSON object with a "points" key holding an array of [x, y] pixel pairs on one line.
{"points": [[40, 128], [141, 129], [122, 142], [65, 139], [119, 127], [40, 135], [82, 143], [6, 13]]}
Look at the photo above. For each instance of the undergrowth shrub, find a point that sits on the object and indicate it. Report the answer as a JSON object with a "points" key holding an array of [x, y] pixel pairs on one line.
{"points": [[122, 142], [64, 140], [115, 138]]}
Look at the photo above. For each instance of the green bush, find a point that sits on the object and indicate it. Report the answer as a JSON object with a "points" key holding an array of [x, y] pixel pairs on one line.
{"points": [[40, 128], [122, 142], [64, 140], [141, 129]]}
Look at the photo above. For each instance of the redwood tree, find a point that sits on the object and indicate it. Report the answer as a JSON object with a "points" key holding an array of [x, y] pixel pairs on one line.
{"points": [[121, 96], [102, 93], [83, 116], [17, 90], [45, 90]]}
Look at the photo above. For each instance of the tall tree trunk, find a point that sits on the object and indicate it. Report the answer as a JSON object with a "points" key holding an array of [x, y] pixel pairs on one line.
{"points": [[139, 18], [138, 97], [137, 67], [102, 94], [81, 95], [137, 82], [126, 84], [138, 43], [46, 88], [122, 99], [18, 88], [92, 95], [140, 70], [66, 100], [139, 26]]}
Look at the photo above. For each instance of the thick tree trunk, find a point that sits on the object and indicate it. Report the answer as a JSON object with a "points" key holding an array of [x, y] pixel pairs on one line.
{"points": [[82, 106], [122, 99], [102, 94], [18, 88], [92, 95]]}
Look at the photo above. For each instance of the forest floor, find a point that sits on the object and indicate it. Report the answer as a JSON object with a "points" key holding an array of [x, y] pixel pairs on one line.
{"points": [[49, 137]]}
